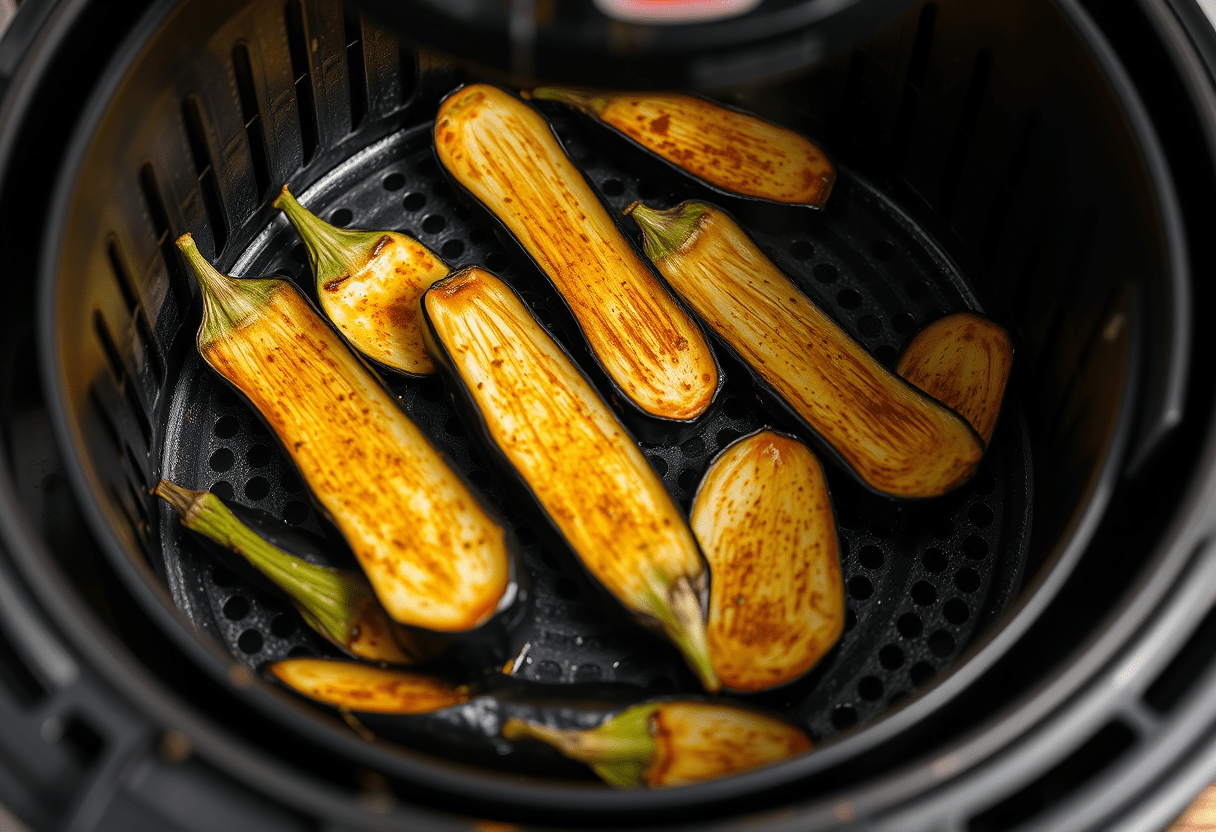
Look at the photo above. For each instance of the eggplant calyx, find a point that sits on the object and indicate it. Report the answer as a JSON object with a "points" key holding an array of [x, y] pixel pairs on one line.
{"points": [[333, 601], [620, 751], [683, 620], [227, 302], [666, 232], [336, 253], [588, 102]]}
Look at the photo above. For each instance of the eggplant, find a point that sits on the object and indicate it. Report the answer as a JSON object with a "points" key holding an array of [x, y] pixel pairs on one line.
{"points": [[447, 717], [764, 519], [730, 151], [892, 437], [963, 360], [438, 560], [370, 285], [503, 153], [337, 603], [673, 743], [538, 415]]}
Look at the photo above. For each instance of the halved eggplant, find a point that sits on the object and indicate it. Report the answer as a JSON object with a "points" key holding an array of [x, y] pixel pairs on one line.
{"points": [[732, 152], [673, 743], [370, 285], [962, 360], [337, 603], [438, 561], [764, 519], [893, 438], [437, 714], [504, 154], [540, 417]]}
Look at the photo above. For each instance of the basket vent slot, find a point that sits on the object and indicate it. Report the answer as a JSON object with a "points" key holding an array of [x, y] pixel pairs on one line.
{"points": [[356, 72], [964, 135], [1102, 749], [196, 135], [251, 115], [164, 234], [914, 81], [122, 276], [122, 379], [16, 675], [1195, 657], [301, 73]]}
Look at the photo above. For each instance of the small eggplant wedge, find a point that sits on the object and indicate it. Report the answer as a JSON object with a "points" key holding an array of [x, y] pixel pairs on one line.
{"points": [[962, 360], [540, 417], [370, 285], [337, 603], [896, 440], [731, 151], [673, 743], [503, 152], [431, 713], [764, 520], [436, 558]]}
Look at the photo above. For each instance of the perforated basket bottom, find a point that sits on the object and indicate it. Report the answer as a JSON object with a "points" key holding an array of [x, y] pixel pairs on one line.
{"points": [[920, 579]]}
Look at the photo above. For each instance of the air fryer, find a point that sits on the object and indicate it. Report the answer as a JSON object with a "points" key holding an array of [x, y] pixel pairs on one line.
{"points": [[1031, 651]]}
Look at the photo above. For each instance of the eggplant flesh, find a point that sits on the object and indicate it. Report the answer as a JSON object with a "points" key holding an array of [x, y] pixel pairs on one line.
{"points": [[729, 150], [962, 360], [539, 415], [673, 743], [437, 560], [764, 519], [504, 154], [896, 440]]}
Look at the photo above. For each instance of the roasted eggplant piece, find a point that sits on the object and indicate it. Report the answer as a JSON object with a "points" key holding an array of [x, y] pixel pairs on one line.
{"points": [[764, 519], [438, 561], [732, 152], [463, 720], [337, 603], [503, 152], [673, 743], [962, 360], [540, 417], [892, 437], [370, 285]]}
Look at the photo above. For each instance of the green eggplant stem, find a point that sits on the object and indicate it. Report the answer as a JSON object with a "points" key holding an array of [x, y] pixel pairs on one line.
{"points": [[682, 619], [619, 751], [588, 102], [666, 232], [331, 599], [336, 253], [227, 302]]}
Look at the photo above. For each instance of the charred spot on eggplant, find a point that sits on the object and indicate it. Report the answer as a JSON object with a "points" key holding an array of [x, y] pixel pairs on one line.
{"points": [[370, 286], [436, 558], [764, 519], [893, 438], [673, 743], [503, 152], [962, 360], [729, 150], [536, 412]]}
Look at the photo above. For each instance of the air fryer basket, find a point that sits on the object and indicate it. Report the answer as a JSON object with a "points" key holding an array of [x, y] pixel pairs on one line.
{"points": [[1021, 182]]}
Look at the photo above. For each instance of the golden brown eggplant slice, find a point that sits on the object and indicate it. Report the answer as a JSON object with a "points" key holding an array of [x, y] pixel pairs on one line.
{"points": [[729, 150], [764, 520], [504, 153], [539, 415], [436, 559], [962, 360], [358, 687], [895, 439], [675, 743], [370, 285]]}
